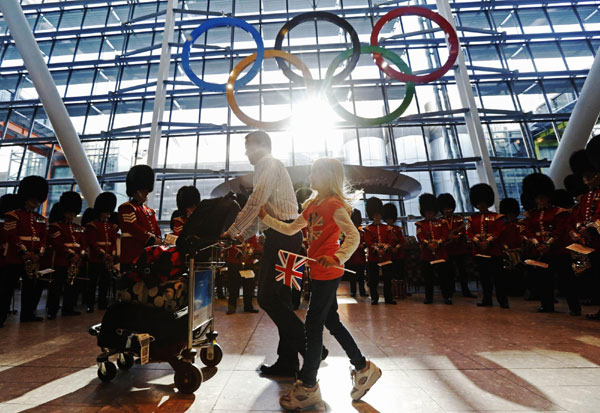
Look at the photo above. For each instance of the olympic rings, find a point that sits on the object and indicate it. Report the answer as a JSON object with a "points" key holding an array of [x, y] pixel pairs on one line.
{"points": [[319, 15], [241, 66], [404, 73], [220, 22], [429, 14], [395, 59]]}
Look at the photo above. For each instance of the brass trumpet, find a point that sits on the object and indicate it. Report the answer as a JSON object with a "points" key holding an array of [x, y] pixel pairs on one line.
{"points": [[32, 268]]}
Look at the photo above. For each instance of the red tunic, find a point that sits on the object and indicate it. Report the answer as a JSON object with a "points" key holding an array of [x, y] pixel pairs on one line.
{"points": [[359, 257], [138, 224], [457, 237], [178, 224], [547, 226], [379, 239], [398, 243], [101, 238], [235, 254], [511, 237], [432, 231], [25, 231], [487, 226], [585, 213], [323, 236], [66, 240]]}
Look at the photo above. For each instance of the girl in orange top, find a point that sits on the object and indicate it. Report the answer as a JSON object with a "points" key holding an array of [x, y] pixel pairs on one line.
{"points": [[326, 214]]}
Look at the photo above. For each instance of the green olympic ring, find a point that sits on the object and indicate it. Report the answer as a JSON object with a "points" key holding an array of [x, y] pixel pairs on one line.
{"points": [[396, 60]]}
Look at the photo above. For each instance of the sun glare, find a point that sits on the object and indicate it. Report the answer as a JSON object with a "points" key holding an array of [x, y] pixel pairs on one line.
{"points": [[313, 122]]}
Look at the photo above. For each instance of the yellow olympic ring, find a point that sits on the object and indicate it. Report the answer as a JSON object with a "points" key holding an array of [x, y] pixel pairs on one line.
{"points": [[269, 54]]}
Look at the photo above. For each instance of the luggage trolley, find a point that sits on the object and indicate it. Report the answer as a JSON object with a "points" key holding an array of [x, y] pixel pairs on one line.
{"points": [[134, 345]]}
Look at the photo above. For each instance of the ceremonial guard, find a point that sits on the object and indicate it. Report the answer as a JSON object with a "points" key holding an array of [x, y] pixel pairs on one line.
{"points": [[188, 198], [511, 239], [139, 227], [379, 239], [397, 251], [457, 247], [241, 258], [26, 234], [101, 237], [432, 235], [357, 262], [70, 249], [8, 202], [545, 228], [483, 231]]}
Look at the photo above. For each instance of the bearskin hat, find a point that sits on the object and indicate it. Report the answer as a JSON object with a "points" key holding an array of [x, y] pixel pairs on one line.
{"points": [[356, 217], [537, 184], [105, 202], [562, 199], [9, 202], [187, 197], [71, 202], [57, 213], [390, 212], [446, 201], [580, 163], [34, 187], [510, 206], [374, 206], [575, 186], [139, 177], [592, 150], [482, 193], [427, 202], [88, 216]]}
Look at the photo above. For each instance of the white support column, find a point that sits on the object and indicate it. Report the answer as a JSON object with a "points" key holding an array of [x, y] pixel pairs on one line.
{"points": [[580, 125], [161, 90], [55, 108], [472, 121]]}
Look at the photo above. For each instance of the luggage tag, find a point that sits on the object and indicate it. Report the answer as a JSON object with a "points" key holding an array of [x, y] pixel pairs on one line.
{"points": [[247, 274], [144, 340]]}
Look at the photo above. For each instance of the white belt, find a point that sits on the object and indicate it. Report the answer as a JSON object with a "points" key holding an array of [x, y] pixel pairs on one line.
{"points": [[104, 243], [73, 245], [126, 235], [29, 238]]}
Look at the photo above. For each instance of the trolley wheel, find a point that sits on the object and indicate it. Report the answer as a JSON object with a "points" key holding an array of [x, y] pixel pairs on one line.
{"points": [[107, 371], [188, 378], [125, 361], [217, 355]]}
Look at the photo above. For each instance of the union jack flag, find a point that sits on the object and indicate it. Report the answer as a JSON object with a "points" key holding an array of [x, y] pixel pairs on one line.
{"points": [[290, 269]]}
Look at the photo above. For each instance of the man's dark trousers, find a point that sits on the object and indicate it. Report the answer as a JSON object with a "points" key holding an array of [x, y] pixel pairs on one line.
{"points": [[275, 298]]}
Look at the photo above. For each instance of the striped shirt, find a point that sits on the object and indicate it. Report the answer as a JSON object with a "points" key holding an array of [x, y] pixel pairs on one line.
{"points": [[272, 188]]}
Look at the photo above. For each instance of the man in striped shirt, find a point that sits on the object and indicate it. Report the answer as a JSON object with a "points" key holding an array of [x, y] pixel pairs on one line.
{"points": [[273, 189]]}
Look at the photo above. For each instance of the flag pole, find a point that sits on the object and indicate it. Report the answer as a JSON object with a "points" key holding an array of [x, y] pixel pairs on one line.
{"points": [[312, 259]]}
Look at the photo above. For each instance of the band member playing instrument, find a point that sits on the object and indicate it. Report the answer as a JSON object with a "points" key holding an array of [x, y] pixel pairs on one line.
{"points": [[138, 223], [26, 235], [397, 250], [101, 237], [357, 262], [379, 239], [8, 203], [484, 230], [69, 244], [432, 234], [457, 247]]}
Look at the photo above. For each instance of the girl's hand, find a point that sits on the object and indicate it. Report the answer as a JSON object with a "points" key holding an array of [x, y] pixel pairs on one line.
{"points": [[262, 213], [327, 261]]}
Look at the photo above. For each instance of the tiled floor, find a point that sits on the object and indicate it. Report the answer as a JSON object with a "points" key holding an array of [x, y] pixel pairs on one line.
{"points": [[434, 358]]}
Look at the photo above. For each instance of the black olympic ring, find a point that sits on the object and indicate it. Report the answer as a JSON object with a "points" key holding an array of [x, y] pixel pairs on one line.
{"points": [[329, 17]]}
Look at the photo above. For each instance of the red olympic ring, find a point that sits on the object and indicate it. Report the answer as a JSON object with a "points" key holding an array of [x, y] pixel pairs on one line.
{"points": [[428, 14]]}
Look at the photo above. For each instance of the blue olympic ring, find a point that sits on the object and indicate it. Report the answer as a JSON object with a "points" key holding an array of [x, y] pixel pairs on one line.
{"points": [[220, 22]]}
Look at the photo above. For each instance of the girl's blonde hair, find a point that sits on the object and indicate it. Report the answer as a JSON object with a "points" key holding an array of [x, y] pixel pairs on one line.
{"points": [[332, 172]]}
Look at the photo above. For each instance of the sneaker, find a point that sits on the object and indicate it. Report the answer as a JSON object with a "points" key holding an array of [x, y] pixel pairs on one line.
{"points": [[363, 380], [301, 397]]}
